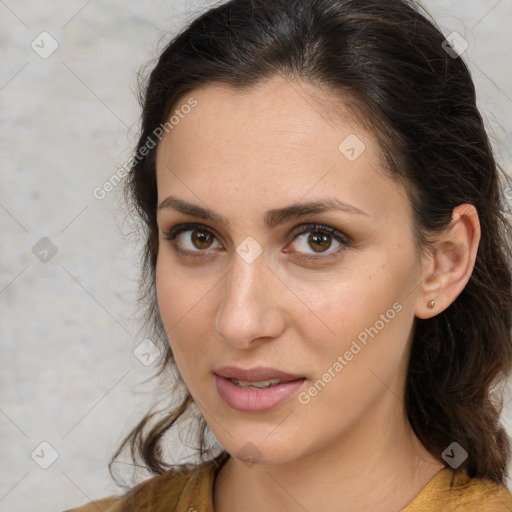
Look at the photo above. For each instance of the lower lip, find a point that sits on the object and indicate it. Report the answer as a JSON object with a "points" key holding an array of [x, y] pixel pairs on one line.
{"points": [[256, 400]]}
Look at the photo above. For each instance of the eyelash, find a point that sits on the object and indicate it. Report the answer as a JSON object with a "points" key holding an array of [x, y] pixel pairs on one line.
{"points": [[340, 237]]}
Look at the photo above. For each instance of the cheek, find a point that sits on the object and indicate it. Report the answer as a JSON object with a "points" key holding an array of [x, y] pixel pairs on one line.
{"points": [[180, 307], [343, 306], [359, 362], [180, 294], [365, 315], [166, 294]]}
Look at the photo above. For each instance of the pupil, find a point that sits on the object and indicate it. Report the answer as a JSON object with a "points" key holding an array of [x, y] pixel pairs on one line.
{"points": [[318, 240]]}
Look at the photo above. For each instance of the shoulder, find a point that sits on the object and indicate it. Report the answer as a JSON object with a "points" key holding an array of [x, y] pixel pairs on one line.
{"points": [[480, 494], [181, 485], [453, 490], [167, 487], [104, 504]]}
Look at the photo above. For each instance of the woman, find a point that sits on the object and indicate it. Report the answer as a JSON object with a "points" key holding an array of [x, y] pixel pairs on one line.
{"points": [[328, 264]]}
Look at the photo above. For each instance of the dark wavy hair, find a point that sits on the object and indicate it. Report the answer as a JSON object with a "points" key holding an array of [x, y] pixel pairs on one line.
{"points": [[389, 62]]}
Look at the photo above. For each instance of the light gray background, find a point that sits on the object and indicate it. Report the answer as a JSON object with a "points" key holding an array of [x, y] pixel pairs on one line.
{"points": [[67, 331]]}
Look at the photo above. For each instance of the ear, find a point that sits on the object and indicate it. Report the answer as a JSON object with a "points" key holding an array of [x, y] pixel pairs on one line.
{"points": [[451, 263]]}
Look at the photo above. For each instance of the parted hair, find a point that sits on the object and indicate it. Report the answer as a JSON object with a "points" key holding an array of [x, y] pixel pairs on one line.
{"points": [[389, 61]]}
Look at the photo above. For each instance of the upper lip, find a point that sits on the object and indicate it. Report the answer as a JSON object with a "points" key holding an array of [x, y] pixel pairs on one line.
{"points": [[256, 374]]}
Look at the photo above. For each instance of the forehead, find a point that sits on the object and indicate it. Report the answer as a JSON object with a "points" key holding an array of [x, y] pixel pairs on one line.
{"points": [[278, 134], [280, 116]]}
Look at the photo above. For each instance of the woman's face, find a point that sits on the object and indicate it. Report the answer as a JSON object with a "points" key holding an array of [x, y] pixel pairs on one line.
{"points": [[257, 284]]}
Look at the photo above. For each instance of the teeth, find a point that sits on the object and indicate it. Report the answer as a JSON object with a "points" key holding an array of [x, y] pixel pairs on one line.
{"points": [[259, 384]]}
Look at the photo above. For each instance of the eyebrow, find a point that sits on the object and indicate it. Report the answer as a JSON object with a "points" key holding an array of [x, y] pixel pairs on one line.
{"points": [[272, 218]]}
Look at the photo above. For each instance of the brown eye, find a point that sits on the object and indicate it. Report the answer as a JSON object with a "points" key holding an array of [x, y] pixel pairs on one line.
{"points": [[192, 238], [316, 242], [201, 239], [311, 240], [195, 240], [319, 242]]}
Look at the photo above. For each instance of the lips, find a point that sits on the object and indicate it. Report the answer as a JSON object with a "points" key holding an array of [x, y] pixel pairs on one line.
{"points": [[245, 390], [255, 374]]}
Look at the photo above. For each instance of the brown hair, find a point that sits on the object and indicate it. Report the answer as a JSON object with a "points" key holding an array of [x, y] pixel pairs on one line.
{"points": [[390, 61]]}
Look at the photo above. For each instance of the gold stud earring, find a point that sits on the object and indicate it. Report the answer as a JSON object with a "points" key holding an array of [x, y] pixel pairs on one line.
{"points": [[431, 304]]}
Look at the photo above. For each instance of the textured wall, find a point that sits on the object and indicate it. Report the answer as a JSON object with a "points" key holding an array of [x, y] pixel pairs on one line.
{"points": [[68, 375]]}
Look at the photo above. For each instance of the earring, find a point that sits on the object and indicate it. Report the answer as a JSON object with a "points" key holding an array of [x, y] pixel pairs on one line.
{"points": [[431, 304]]}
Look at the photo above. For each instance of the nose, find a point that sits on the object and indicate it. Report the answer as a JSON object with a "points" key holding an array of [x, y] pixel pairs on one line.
{"points": [[250, 307]]}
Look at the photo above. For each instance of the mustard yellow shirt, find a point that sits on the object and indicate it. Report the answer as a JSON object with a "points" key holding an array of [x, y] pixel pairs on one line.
{"points": [[191, 490]]}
